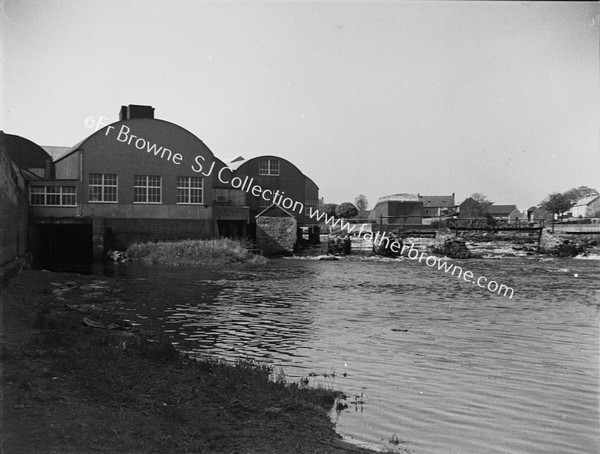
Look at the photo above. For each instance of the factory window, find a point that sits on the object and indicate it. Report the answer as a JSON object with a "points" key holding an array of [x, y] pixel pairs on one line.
{"points": [[147, 189], [103, 187], [190, 190], [268, 167], [53, 195]]}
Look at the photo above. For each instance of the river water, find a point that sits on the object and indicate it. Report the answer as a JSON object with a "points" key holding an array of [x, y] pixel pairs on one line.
{"points": [[431, 364]]}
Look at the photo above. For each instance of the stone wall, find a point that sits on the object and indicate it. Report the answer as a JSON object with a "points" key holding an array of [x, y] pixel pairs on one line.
{"points": [[127, 231], [276, 235], [13, 209]]}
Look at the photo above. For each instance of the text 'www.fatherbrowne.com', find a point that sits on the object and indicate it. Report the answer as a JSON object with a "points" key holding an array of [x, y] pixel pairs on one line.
{"points": [[409, 250]]}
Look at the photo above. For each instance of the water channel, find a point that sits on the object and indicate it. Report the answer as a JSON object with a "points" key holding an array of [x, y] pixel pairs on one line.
{"points": [[431, 364]]}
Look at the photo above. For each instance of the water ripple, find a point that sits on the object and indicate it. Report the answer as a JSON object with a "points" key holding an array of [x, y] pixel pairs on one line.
{"points": [[445, 366]]}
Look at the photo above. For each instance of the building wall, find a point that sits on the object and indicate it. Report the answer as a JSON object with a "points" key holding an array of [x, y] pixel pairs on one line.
{"points": [[105, 153], [125, 231], [398, 212], [311, 196], [470, 208], [148, 147], [290, 182], [69, 167], [153, 148], [593, 209], [13, 209]]}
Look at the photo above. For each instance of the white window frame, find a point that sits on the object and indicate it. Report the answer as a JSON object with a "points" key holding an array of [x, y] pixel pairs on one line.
{"points": [[104, 185], [268, 166], [144, 183], [62, 192], [186, 190]]}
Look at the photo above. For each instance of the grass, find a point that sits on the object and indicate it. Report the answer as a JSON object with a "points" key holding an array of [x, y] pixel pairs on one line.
{"points": [[195, 252]]}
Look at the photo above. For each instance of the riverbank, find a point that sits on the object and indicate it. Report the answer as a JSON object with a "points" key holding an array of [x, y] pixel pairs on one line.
{"points": [[77, 379], [194, 252]]}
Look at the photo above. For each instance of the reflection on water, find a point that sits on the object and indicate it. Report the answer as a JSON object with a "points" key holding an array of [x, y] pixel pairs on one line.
{"points": [[445, 366]]}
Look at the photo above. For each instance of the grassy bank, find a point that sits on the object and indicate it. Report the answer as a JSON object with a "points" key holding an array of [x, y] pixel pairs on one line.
{"points": [[77, 379], [194, 252]]}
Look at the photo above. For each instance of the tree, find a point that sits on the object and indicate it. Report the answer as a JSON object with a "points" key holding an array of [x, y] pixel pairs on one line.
{"points": [[346, 210], [361, 202], [558, 203], [330, 209], [483, 200], [579, 193]]}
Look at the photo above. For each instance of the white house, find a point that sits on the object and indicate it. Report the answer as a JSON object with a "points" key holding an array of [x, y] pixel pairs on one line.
{"points": [[587, 207]]}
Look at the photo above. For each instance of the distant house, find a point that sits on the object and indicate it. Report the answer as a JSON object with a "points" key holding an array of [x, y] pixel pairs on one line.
{"points": [[517, 216], [471, 209], [437, 205], [587, 207], [539, 214], [500, 212], [401, 209]]}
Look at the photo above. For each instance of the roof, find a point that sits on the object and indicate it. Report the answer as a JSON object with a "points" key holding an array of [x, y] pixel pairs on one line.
{"points": [[402, 197], [235, 162], [501, 209], [55, 152], [238, 163], [79, 146], [25, 153], [517, 212], [71, 150], [470, 200], [586, 200], [274, 207], [436, 201]]}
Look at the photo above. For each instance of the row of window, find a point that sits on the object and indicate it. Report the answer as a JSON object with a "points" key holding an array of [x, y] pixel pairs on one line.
{"points": [[146, 189], [103, 188], [53, 195]]}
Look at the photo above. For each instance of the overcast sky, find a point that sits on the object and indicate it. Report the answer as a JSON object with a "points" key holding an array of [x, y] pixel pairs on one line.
{"points": [[365, 97]]}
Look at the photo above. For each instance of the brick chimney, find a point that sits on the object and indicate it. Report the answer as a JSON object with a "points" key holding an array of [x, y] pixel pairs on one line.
{"points": [[135, 111]]}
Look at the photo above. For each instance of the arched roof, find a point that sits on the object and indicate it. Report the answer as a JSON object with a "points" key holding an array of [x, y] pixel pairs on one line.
{"points": [[81, 145], [238, 164], [403, 197], [25, 153]]}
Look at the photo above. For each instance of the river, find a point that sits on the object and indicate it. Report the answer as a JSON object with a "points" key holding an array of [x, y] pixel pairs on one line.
{"points": [[430, 363]]}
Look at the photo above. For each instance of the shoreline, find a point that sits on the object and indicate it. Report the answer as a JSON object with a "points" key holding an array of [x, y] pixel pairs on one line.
{"points": [[77, 378]]}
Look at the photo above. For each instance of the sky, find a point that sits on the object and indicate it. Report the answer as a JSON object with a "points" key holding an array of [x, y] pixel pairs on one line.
{"points": [[365, 97]]}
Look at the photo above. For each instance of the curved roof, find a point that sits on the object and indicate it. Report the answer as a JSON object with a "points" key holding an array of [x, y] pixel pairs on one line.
{"points": [[25, 153], [80, 145], [402, 197], [240, 162]]}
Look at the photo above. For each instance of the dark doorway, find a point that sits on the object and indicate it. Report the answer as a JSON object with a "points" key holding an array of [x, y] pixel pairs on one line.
{"points": [[232, 229], [62, 246]]}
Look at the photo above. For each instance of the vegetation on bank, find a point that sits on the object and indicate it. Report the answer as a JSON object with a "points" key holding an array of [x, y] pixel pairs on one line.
{"points": [[195, 252], [71, 386]]}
